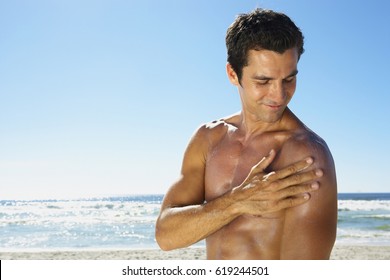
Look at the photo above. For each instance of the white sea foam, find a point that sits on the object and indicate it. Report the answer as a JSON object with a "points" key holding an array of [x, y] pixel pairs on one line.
{"points": [[365, 205], [124, 223], [79, 223], [356, 236]]}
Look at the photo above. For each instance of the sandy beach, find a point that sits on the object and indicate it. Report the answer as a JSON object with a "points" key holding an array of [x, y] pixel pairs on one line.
{"points": [[340, 252]]}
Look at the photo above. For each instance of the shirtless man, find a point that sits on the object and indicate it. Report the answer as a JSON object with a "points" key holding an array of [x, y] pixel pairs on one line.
{"points": [[258, 184]]}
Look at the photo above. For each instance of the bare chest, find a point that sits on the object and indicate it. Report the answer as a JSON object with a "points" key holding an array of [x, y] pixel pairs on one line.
{"points": [[230, 162]]}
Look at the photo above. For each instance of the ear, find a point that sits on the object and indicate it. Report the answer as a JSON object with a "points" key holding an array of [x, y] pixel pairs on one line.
{"points": [[232, 75]]}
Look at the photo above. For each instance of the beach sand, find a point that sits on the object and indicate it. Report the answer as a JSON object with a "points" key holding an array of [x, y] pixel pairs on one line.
{"points": [[340, 252]]}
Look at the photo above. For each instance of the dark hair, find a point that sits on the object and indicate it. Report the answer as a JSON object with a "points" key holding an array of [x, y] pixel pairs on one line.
{"points": [[257, 30]]}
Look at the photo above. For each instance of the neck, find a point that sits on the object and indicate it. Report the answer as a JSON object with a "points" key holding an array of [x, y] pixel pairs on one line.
{"points": [[250, 126]]}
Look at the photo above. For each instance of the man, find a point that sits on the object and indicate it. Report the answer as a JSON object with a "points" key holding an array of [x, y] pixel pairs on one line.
{"points": [[258, 184]]}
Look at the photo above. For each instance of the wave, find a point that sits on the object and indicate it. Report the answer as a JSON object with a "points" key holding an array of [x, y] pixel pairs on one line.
{"points": [[383, 227], [130, 221], [379, 235], [77, 224], [377, 217], [78, 212], [363, 205]]}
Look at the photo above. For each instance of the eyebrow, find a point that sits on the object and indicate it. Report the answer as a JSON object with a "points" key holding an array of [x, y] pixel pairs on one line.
{"points": [[265, 78]]}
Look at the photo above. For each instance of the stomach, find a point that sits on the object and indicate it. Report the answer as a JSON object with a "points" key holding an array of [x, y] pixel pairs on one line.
{"points": [[247, 237]]}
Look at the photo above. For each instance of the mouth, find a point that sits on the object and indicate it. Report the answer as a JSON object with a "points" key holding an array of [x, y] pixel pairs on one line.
{"points": [[274, 107]]}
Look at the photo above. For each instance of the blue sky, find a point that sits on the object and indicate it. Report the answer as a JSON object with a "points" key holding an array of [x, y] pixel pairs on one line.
{"points": [[101, 97]]}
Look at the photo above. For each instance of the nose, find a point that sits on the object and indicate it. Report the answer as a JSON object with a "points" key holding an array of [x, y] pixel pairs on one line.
{"points": [[278, 92]]}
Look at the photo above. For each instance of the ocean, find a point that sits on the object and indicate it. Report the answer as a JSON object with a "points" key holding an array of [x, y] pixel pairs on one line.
{"points": [[128, 222]]}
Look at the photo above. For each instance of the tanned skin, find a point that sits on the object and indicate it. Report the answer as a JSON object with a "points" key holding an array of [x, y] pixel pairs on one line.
{"points": [[258, 184]]}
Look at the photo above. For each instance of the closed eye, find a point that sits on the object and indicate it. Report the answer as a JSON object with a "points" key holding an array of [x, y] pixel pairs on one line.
{"points": [[290, 79], [262, 82]]}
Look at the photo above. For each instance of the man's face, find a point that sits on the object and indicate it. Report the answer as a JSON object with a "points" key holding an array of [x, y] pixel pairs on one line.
{"points": [[268, 83]]}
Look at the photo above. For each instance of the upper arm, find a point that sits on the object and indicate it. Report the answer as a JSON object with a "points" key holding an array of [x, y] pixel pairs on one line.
{"points": [[189, 188], [310, 229]]}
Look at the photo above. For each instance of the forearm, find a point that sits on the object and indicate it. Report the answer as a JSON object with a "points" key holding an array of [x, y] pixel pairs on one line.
{"points": [[179, 227]]}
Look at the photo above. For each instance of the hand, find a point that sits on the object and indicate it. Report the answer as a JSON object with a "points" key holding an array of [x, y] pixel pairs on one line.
{"points": [[262, 192]]}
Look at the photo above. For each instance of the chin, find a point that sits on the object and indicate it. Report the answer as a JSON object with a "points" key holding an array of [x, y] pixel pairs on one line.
{"points": [[271, 118]]}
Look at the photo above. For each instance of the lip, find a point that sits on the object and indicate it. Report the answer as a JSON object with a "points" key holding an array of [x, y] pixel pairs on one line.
{"points": [[274, 107]]}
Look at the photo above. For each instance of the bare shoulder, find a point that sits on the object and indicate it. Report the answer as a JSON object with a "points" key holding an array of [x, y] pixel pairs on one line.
{"points": [[305, 143], [212, 132], [202, 141], [223, 124], [189, 189], [313, 223], [206, 134]]}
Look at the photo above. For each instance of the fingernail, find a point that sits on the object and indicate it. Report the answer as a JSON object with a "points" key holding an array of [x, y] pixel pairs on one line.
{"points": [[309, 160], [319, 172], [315, 186], [306, 196]]}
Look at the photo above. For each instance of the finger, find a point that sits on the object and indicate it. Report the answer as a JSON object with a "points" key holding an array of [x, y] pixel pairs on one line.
{"points": [[297, 190], [260, 166], [264, 162], [291, 202], [267, 176], [297, 179], [293, 168]]}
